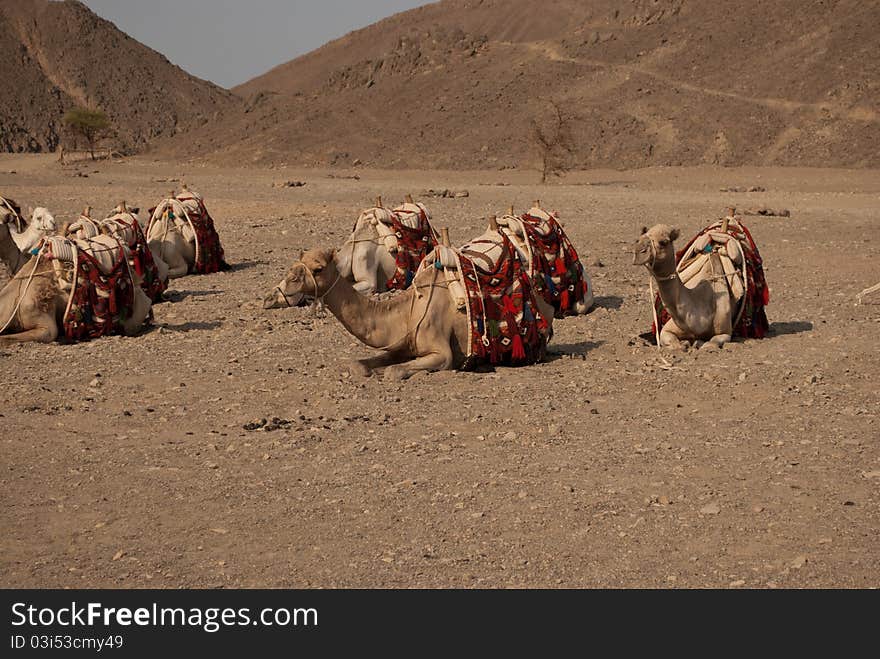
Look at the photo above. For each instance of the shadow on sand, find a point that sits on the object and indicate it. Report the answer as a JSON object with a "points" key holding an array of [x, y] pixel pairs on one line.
{"points": [[793, 327], [608, 302], [559, 350], [199, 326]]}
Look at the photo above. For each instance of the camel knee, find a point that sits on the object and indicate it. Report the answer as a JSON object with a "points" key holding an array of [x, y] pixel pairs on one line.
{"points": [[670, 340]]}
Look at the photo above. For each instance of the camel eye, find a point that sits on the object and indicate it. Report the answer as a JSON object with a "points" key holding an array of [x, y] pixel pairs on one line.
{"points": [[664, 242], [318, 269]]}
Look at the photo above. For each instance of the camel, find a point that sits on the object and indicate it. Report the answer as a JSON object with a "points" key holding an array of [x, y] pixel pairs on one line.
{"points": [[25, 236], [33, 303], [368, 258], [181, 235], [420, 329], [41, 224], [701, 312]]}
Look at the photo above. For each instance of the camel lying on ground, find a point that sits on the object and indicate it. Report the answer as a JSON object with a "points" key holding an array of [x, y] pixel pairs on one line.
{"points": [[25, 235], [368, 258], [181, 235], [421, 329], [34, 302], [702, 313]]}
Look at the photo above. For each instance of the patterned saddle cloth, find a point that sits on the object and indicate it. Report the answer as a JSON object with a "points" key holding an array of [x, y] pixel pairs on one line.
{"points": [[553, 263], [506, 323]]}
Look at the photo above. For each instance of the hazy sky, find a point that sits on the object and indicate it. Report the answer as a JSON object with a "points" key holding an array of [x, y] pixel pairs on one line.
{"points": [[231, 41]]}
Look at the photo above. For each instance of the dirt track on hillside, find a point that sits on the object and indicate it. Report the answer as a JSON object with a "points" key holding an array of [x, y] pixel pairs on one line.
{"points": [[758, 466]]}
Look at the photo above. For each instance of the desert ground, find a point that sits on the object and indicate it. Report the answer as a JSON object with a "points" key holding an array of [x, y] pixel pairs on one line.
{"points": [[126, 462]]}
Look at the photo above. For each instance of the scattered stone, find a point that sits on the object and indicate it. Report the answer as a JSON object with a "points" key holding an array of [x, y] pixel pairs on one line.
{"points": [[738, 583], [446, 193], [799, 562], [754, 188], [255, 425], [710, 509], [763, 210], [289, 184], [118, 555]]}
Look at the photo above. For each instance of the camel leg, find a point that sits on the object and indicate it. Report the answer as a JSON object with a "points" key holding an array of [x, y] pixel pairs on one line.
{"points": [[435, 361], [716, 342], [37, 334], [670, 336], [586, 303], [365, 367]]}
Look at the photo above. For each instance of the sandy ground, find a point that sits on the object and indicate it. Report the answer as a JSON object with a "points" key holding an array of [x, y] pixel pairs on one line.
{"points": [[125, 462]]}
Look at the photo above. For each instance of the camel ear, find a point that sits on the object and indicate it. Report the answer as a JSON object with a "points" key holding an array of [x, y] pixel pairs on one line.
{"points": [[644, 230], [673, 235]]}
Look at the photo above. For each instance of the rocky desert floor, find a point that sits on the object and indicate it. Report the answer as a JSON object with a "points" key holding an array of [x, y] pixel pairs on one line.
{"points": [[126, 462]]}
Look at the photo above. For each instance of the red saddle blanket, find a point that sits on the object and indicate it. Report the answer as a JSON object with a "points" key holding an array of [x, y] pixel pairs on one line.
{"points": [[209, 252], [753, 322], [141, 259], [413, 244], [556, 268], [99, 302], [506, 325]]}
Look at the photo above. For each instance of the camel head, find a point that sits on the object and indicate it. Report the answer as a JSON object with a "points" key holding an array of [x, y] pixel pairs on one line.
{"points": [[42, 221], [655, 245], [313, 275]]}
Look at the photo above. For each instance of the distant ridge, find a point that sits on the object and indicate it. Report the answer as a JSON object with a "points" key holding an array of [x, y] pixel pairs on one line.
{"points": [[653, 82], [54, 55]]}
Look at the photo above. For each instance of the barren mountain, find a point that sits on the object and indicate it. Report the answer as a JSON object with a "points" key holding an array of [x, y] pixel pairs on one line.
{"points": [[54, 55], [644, 82]]}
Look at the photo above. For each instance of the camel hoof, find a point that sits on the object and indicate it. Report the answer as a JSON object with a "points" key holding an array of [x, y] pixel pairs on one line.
{"points": [[394, 374], [358, 369], [708, 346]]}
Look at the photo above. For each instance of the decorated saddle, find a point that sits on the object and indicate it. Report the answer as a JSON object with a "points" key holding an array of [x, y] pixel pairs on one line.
{"points": [[743, 273], [406, 233], [552, 261], [188, 213], [99, 279], [506, 324], [124, 225]]}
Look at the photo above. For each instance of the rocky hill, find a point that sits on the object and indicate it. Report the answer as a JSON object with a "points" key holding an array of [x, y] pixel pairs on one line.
{"points": [[55, 55], [644, 82]]}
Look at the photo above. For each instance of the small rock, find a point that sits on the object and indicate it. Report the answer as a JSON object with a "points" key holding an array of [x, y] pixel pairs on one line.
{"points": [[710, 509], [118, 555], [799, 562], [737, 583]]}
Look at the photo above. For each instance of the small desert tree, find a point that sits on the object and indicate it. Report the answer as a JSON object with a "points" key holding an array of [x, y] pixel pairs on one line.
{"points": [[91, 125], [552, 139]]}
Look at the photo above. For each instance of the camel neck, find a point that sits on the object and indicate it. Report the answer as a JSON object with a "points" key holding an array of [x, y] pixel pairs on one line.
{"points": [[672, 290], [377, 324], [11, 255]]}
